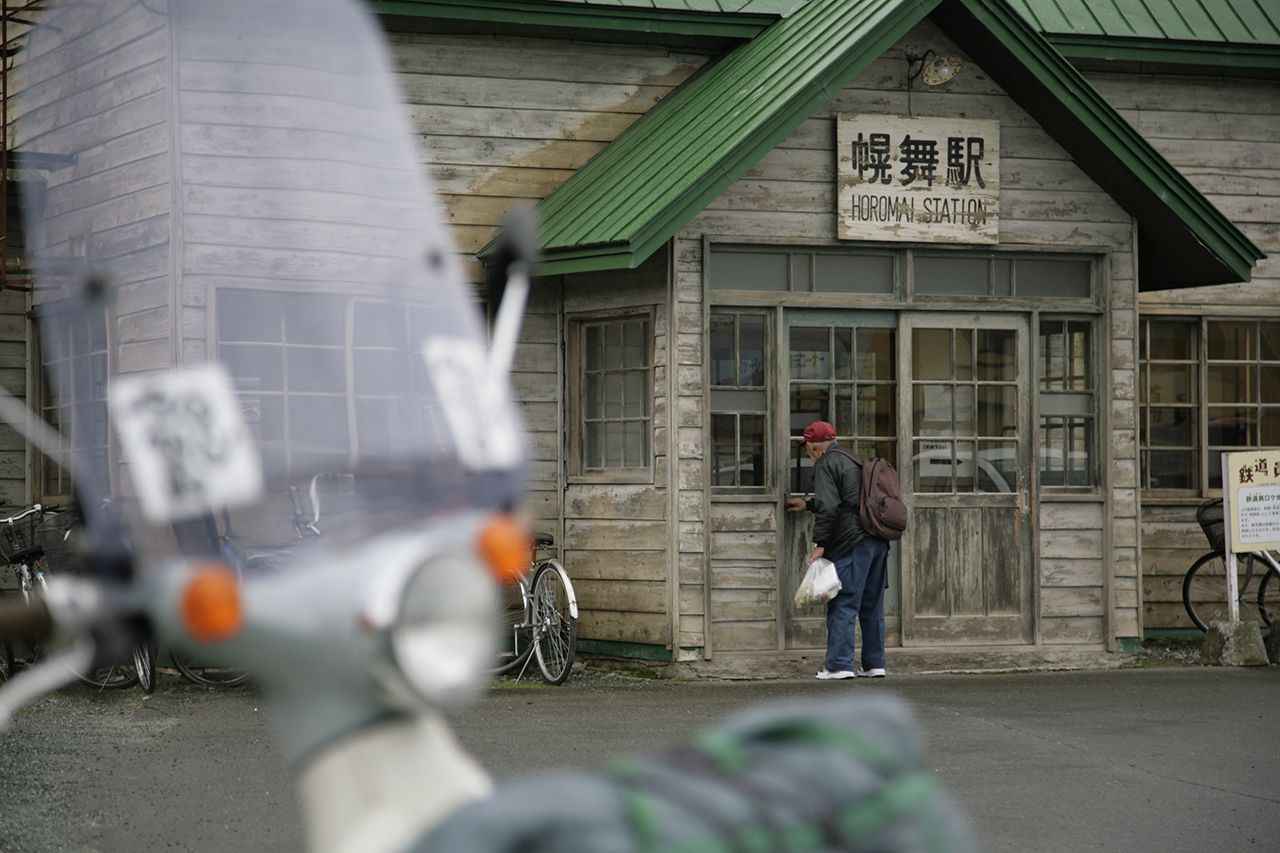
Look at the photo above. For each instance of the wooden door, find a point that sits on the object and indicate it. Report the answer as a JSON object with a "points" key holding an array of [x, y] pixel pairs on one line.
{"points": [[841, 367], [964, 403]]}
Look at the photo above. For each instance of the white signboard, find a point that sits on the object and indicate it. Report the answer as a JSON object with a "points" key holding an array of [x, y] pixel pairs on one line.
{"points": [[1252, 489], [926, 180]]}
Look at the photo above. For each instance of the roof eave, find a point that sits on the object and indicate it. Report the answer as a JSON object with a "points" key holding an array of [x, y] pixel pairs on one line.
{"points": [[647, 236], [1227, 56], [577, 259], [1180, 222], [532, 13]]}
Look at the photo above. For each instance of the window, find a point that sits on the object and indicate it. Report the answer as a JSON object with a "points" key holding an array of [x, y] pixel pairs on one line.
{"points": [[613, 390], [802, 271], [738, 400], [1067, 402], [964, 393], [933, 276], [846, 376], [73, 355], [309, 368], [1205, 387]]}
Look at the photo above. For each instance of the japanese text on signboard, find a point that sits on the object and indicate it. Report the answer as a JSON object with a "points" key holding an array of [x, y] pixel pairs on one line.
{"points": [[919, 179], [1253, 499]]}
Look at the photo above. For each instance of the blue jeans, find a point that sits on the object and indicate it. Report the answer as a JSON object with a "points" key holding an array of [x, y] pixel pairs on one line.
{"points": [[862, 574]]}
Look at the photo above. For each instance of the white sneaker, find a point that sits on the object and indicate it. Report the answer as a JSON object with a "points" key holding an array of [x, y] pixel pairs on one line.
{"points": [[839, 674], [874, 672]]}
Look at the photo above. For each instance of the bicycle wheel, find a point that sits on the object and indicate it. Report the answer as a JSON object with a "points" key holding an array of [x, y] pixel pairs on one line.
{"points": [[144, 663], [517, 628], [116, 676], [1269, 597], [557, 627], [200, 671], [1204, 590], [109, 676]]}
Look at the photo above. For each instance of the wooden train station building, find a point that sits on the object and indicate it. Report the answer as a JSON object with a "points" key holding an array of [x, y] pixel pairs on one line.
{"points": [[1024, 249]]}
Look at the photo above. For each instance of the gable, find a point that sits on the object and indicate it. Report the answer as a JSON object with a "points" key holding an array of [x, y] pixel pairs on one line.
{"points": [[647, 184]]}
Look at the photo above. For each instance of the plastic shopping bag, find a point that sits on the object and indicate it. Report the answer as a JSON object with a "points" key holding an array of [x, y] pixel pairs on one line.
{"points": [[820, 584]]}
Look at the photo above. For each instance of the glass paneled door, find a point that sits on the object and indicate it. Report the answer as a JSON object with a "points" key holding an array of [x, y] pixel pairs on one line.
{"points": [[841, 367], [964, 410]]}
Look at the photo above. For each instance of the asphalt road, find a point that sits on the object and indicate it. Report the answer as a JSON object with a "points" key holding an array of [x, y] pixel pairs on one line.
{"points": [[1135, 760]]}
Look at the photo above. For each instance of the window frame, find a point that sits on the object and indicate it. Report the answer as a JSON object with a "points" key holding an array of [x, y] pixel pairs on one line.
{"points": [[41, 394], [576, 324], [765, 391], [353, 394], [1092, 390], [1202, 449]]}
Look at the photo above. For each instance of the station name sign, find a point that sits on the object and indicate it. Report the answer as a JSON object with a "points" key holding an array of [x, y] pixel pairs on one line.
{"points": [[928, 180]]}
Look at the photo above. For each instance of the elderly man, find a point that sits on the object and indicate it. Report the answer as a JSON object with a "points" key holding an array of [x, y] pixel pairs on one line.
{"points": [[860, 559]]}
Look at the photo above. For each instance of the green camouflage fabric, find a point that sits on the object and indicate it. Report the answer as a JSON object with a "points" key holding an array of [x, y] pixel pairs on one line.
{"points": [[831, 775]]}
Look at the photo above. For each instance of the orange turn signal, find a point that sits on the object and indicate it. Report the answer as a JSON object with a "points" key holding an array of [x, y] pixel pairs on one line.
{"points": [[211, 608], [506, 546]]}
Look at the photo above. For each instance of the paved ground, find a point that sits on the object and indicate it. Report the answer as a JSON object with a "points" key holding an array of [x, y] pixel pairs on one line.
{"points": [[1141, 760]]}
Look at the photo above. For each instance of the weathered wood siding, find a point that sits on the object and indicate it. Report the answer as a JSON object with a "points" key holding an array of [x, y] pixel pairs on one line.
{"points": [[536, 380], [13, 378], [1171, 542], [617, 541], [506, 120], [788, 197], [108, 103], [117, 81], [1071, 573], [1223, 135]]}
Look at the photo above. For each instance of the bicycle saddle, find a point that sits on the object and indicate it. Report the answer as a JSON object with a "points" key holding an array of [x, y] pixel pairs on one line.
{"points": [[542, 539]]}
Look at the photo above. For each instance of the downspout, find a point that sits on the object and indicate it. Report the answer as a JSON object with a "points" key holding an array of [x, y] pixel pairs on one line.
{"points": [[673, 457]]}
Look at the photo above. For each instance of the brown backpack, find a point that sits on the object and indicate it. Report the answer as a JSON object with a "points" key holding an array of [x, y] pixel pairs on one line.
{"points": [[880, 506]]}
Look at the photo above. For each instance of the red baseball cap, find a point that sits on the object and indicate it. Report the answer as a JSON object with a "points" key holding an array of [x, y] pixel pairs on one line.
{"points": [[819, 431]]}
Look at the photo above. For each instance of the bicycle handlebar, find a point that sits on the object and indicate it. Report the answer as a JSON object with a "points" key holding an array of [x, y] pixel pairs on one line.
{"points": [[26, 512]]}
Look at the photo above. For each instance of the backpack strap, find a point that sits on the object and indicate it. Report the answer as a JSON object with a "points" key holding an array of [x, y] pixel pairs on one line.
{"points": [[862, 480], [849, 453]]}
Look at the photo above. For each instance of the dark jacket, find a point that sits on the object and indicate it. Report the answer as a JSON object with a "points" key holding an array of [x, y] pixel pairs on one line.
{"points": [[837, 483]]}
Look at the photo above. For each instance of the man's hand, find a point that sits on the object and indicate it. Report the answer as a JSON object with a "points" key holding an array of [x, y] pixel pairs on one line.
{"points": [[796, 505], [815, 554]]}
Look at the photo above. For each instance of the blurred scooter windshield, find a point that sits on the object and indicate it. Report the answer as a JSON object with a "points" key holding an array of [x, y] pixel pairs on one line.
{"points": [[243, 280]]}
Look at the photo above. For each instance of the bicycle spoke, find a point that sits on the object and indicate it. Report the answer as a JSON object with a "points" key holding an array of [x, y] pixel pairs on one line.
{"points": [[1204, 590], [554, 645], [517, 631]]}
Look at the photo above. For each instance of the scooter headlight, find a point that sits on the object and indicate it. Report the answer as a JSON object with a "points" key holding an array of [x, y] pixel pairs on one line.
{"points": [[442, 640]]}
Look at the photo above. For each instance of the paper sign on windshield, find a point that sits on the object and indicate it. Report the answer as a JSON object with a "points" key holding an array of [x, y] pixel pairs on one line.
{"points": [[187, 446], [476, 410]]}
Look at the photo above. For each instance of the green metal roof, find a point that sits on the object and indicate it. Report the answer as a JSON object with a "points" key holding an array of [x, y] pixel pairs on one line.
{"points": [[1241, 36], [762, 7], [733, 19], [1237, 21], [649, 182], [632, 196]]}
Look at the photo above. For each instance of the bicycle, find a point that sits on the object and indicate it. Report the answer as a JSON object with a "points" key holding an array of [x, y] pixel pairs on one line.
{"points": [[543, 621], [30, 542], [1204, 587], [306, 526]]}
